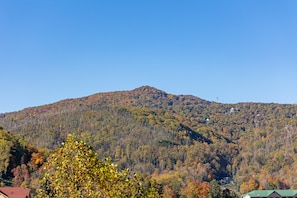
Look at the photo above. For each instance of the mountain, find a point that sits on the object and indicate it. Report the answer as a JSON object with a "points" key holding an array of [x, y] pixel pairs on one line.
{"points": [[153, 132]]}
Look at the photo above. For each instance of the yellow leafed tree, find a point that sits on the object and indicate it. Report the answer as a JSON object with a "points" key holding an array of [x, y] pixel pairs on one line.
{"points": [[75, 171]]}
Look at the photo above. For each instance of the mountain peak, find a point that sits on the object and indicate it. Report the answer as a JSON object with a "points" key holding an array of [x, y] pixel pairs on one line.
{"points": [[148, 89]]}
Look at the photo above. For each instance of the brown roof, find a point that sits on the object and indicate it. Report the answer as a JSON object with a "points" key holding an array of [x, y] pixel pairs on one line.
{"points": [[15, 192]]}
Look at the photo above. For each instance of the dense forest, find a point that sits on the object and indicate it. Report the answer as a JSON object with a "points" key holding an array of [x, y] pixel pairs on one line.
{"points": [[180, 141]]}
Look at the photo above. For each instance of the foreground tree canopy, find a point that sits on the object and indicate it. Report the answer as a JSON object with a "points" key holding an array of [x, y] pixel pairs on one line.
{"points": [[75, 171]]}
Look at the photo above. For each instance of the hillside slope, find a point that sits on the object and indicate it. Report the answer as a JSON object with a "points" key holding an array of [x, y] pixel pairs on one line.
{"points": [[151, 131]]}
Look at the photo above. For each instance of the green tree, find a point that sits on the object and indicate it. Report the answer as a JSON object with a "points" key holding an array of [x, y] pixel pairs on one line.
{"points": [[75, 171], [215, 190], [12, 153], [5, 147]]}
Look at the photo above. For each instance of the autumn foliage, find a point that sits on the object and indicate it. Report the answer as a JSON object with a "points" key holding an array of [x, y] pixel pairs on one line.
{"points": [[179, 140]]}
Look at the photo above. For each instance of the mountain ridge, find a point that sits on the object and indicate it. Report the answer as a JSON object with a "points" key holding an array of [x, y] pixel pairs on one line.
{"points": [[142, 89]]}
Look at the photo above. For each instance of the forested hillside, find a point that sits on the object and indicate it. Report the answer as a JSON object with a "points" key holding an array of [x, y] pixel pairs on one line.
{"points": [[175, 138], [20, 162]]}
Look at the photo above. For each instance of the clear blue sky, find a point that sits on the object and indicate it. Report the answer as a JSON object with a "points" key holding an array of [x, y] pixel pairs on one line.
{"points": [[228, 51]]}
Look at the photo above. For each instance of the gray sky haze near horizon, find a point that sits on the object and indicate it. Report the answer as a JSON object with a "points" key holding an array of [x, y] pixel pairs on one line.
{"points": [[230, 52]]}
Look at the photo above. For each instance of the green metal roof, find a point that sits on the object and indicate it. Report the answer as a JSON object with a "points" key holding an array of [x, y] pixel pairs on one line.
{"points": [[260, 193], [287, 192], [266, 193]]}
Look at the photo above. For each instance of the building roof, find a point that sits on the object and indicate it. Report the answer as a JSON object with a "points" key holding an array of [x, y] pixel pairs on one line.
{"points": [[260, 193], [266, 193], [15, 192]]}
